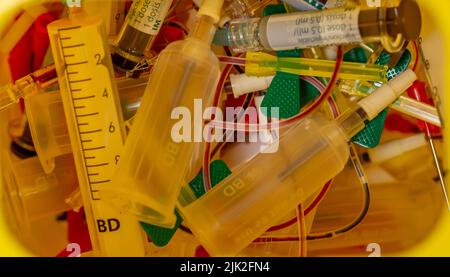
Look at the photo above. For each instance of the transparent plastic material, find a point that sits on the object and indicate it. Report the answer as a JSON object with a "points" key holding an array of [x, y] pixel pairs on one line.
{"points": [[239, 8], [11, 94], [31, 193], [243, 206], [301, 5], [401, 213], [273, 242], [152, 168], [244, 34], [352, 121], [45, 114], [395, 148], [407, 165], [131, 91], [243, 8]]}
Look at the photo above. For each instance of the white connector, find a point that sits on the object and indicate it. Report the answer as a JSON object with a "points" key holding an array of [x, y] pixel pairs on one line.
{"points": [[396, 148], [243, 84], [387, 94]]}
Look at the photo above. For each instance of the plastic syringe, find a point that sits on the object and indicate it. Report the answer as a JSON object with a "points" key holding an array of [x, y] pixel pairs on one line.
{"points": [[41, 79], [92, 109], [153, 167], [244, 205]]}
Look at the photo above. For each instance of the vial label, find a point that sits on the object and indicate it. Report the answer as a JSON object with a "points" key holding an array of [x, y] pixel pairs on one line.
{"points": [[148, 16], [304, 30]]}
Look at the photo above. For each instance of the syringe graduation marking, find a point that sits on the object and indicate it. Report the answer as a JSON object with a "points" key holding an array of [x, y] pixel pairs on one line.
{"points": [[73, 64], [78, 106], [94, 148], [80, 81], [90, 132], [72, 46], [88, 114], [83, 98]]}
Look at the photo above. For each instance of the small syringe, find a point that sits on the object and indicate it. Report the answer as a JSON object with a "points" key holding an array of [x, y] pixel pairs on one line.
{"points": [[299, 30]]}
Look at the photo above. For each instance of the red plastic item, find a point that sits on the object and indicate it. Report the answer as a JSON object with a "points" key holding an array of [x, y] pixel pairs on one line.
{"points": [[398, 123], [40, 40], [29, 53], [201, 252], [167, 35], [78, 232], [21, 57]]}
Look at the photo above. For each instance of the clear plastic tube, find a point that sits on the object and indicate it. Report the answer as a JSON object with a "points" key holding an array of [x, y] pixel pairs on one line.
{"points": [[11, 94], [243, 8], [262, 64], [239, 8], [417, 110]]}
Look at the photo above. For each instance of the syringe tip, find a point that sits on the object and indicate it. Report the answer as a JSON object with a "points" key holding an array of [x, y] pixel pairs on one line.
{"points": [[381, 98], [403, 81], [212, 8]]}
